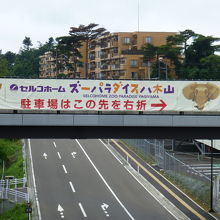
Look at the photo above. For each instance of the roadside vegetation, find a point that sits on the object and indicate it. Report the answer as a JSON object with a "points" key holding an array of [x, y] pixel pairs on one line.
{"points": [[11, 159], [16, 213], [195, 189], [11, 164]]}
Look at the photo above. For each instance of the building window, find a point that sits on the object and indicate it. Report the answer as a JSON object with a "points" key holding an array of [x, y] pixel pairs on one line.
{"points": [[98, 54], [98, 64], [148, 40], [127, 40], [134, 75], [134, 63]]}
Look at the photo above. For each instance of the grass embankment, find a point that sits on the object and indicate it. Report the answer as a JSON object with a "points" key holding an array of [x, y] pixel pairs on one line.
{"points": [[11, 154], [16, 213]]}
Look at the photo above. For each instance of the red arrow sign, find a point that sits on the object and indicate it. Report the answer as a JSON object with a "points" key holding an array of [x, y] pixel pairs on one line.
{"points": [[162, 105]]}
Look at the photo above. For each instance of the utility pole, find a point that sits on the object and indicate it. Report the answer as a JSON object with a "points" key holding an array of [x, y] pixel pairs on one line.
{"points": [[211, 187], [161, 61], [138, 14]]}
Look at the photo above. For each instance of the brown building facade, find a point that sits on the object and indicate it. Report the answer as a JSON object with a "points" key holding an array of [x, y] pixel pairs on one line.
{"points": [[115, 56]]}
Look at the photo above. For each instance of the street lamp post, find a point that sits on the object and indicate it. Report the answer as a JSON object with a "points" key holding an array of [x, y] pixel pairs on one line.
{"points": [[161, 60]]}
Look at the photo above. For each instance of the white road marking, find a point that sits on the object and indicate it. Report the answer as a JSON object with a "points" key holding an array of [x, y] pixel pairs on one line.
{"points": [[54, 144], [111, 152], [103, 179], [35, 188], [82, 210], [73, 154], [72, 187], [60, 209], [59, 155], [64, 168], [45, 156], [104, 206]]}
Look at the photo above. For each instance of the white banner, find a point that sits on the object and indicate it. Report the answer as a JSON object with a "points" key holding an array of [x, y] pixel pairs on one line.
{"points": [[109, 95]]}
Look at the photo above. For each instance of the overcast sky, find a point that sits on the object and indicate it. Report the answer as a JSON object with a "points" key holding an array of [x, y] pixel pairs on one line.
{"points": [[41, 19]]}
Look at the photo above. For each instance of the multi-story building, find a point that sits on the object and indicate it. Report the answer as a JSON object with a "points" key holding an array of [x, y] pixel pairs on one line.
{"points": [[47, 66], [120, 56], [50, 66], [114, 56]]}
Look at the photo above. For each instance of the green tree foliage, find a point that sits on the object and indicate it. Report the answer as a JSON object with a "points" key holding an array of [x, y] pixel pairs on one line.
{"points": [[27, 43], [26, 63], [150, 52], [88, 33], [193, 56], [10, 57], [4, 71], [66, 54]]}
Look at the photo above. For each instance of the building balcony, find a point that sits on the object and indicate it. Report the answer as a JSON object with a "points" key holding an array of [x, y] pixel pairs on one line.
{"points": [[114, 55], [92, 67], [104, 56], [92, 46], [92, 57], [132, 52], [103, 44], [104, 67], [114, 44], [115, 66]]}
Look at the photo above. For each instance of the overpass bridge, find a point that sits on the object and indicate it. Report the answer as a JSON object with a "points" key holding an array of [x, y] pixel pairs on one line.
{"points": [[169, 126], [66, 108]]}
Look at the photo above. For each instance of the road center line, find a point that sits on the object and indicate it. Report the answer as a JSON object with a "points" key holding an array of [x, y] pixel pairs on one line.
{"points": [[64, 168], [54, 144], [59, 155], [82, 209], [72, 187], [103, 179]]}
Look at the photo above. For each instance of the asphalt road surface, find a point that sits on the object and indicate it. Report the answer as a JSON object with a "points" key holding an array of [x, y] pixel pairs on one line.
{"points": [[81, 179]]}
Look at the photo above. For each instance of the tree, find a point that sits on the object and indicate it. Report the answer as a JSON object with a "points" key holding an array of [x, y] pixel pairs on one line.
{"points": [[10, 57], [210, 67], [192, 55], [26, 63], [3, 67], [153, 53], [48, 46], [181, 40], [66, 54], [27, 43], [150, 51], [201, 47], [87, 34]]}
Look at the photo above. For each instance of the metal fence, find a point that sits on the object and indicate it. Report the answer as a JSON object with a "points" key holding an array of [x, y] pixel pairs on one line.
{"points": [[185, 176], [13, 183], [14, 189], [13, 194]]}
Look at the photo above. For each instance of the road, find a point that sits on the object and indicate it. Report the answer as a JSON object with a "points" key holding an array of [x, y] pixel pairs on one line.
{"points": [[78, 179]]}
